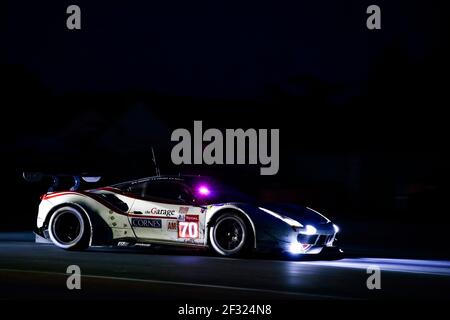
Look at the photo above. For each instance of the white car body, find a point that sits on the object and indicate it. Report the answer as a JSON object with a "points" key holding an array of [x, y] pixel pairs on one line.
{"points": [[121, 223], [118, 217]]}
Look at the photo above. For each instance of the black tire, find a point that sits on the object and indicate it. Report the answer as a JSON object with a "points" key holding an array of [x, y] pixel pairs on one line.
{"points": [[230, 236], [69, 228]]}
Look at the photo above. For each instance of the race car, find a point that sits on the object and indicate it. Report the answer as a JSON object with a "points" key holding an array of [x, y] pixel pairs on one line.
{"points": [[191, 211]]}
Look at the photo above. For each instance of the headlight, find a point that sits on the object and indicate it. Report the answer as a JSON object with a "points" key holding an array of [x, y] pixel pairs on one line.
{"points": [[296, 248], [309, 230], [289, 221], [336, 228]]}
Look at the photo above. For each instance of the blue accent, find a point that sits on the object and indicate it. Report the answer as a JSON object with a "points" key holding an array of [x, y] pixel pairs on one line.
{"points": [[77, 184]]}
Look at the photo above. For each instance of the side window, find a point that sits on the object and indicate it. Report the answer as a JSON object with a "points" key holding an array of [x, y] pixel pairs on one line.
{"points": [[137, 189], [167, 191]]}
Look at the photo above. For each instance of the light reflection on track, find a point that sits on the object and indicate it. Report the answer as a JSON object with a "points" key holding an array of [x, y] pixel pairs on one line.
{"points": [[29, 270], [431, 267]]}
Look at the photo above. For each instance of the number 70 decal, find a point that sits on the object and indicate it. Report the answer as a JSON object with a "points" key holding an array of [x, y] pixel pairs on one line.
{"points": [[187, 229]]}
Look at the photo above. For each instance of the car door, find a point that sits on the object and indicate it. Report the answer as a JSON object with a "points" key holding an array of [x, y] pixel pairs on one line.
{"points": [[164, 211]]}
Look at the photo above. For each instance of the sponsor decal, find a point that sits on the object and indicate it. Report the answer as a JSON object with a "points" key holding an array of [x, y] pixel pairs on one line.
{"points": [[181, 217], [172, 226], [183, 210], [161, 212], [146, 223], [191, 218], [187, 229]]}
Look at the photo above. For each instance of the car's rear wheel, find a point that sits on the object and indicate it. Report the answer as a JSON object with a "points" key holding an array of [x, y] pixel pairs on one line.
{"points": [[229, 236], [69, 228]]}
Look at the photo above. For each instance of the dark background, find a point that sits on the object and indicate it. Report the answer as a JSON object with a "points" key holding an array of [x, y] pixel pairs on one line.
{"points": [[362, 114]]}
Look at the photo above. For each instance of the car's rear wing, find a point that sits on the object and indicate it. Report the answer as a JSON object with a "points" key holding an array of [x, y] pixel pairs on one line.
{"points": [[38, 176]]}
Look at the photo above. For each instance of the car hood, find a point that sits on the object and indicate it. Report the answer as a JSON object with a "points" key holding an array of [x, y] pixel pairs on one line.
{"points": [[302, 214]]}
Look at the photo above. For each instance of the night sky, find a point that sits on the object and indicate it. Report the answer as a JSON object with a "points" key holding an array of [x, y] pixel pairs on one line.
{"points": [[218, 50]]}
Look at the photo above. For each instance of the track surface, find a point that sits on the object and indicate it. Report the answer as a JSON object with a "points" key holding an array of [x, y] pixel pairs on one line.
{"points": [[38, 271]]}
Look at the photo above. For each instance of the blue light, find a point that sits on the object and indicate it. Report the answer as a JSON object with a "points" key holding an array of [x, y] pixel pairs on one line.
{"points": [[336, 228], [309, 230], [296, 248]]}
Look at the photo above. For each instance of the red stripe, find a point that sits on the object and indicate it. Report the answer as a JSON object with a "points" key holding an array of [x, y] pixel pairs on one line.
{"points": [[103, 202], [57, 194], [111, 189], [87, 194], [144, 216]]}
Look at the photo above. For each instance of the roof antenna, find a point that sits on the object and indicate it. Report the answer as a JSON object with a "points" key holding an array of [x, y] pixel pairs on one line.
{"points": [[154, 162]]}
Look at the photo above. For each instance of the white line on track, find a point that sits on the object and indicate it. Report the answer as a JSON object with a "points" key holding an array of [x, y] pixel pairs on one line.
{"points": [[190, 284]]}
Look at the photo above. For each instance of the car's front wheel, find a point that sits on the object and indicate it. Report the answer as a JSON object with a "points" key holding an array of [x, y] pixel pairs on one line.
{"points": [[229, 235], [69, 228]]}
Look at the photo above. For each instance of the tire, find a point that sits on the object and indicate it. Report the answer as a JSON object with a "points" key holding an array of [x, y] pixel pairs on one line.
{"points": [[229, 236], [69, 228]]}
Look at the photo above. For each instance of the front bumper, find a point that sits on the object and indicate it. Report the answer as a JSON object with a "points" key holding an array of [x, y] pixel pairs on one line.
{"points": [[297, 242]]}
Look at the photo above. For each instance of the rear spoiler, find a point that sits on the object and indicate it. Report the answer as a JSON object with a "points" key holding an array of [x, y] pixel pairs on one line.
{"points": [[38, 176]]}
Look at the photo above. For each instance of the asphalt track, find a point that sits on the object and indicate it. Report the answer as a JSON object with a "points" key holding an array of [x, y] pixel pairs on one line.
{"points": [[38, 271]]}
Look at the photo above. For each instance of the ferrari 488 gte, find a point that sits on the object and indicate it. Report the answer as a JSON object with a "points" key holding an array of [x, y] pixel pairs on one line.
{"points": [[180, 211]]}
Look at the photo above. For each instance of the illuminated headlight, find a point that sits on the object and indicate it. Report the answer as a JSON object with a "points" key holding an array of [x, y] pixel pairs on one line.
{"points": [[309, 230], [289, 221], [296, 248], [336, 228]]}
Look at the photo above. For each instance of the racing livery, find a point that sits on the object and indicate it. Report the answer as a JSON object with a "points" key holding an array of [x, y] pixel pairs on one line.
{"points": [[180, 211]]}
